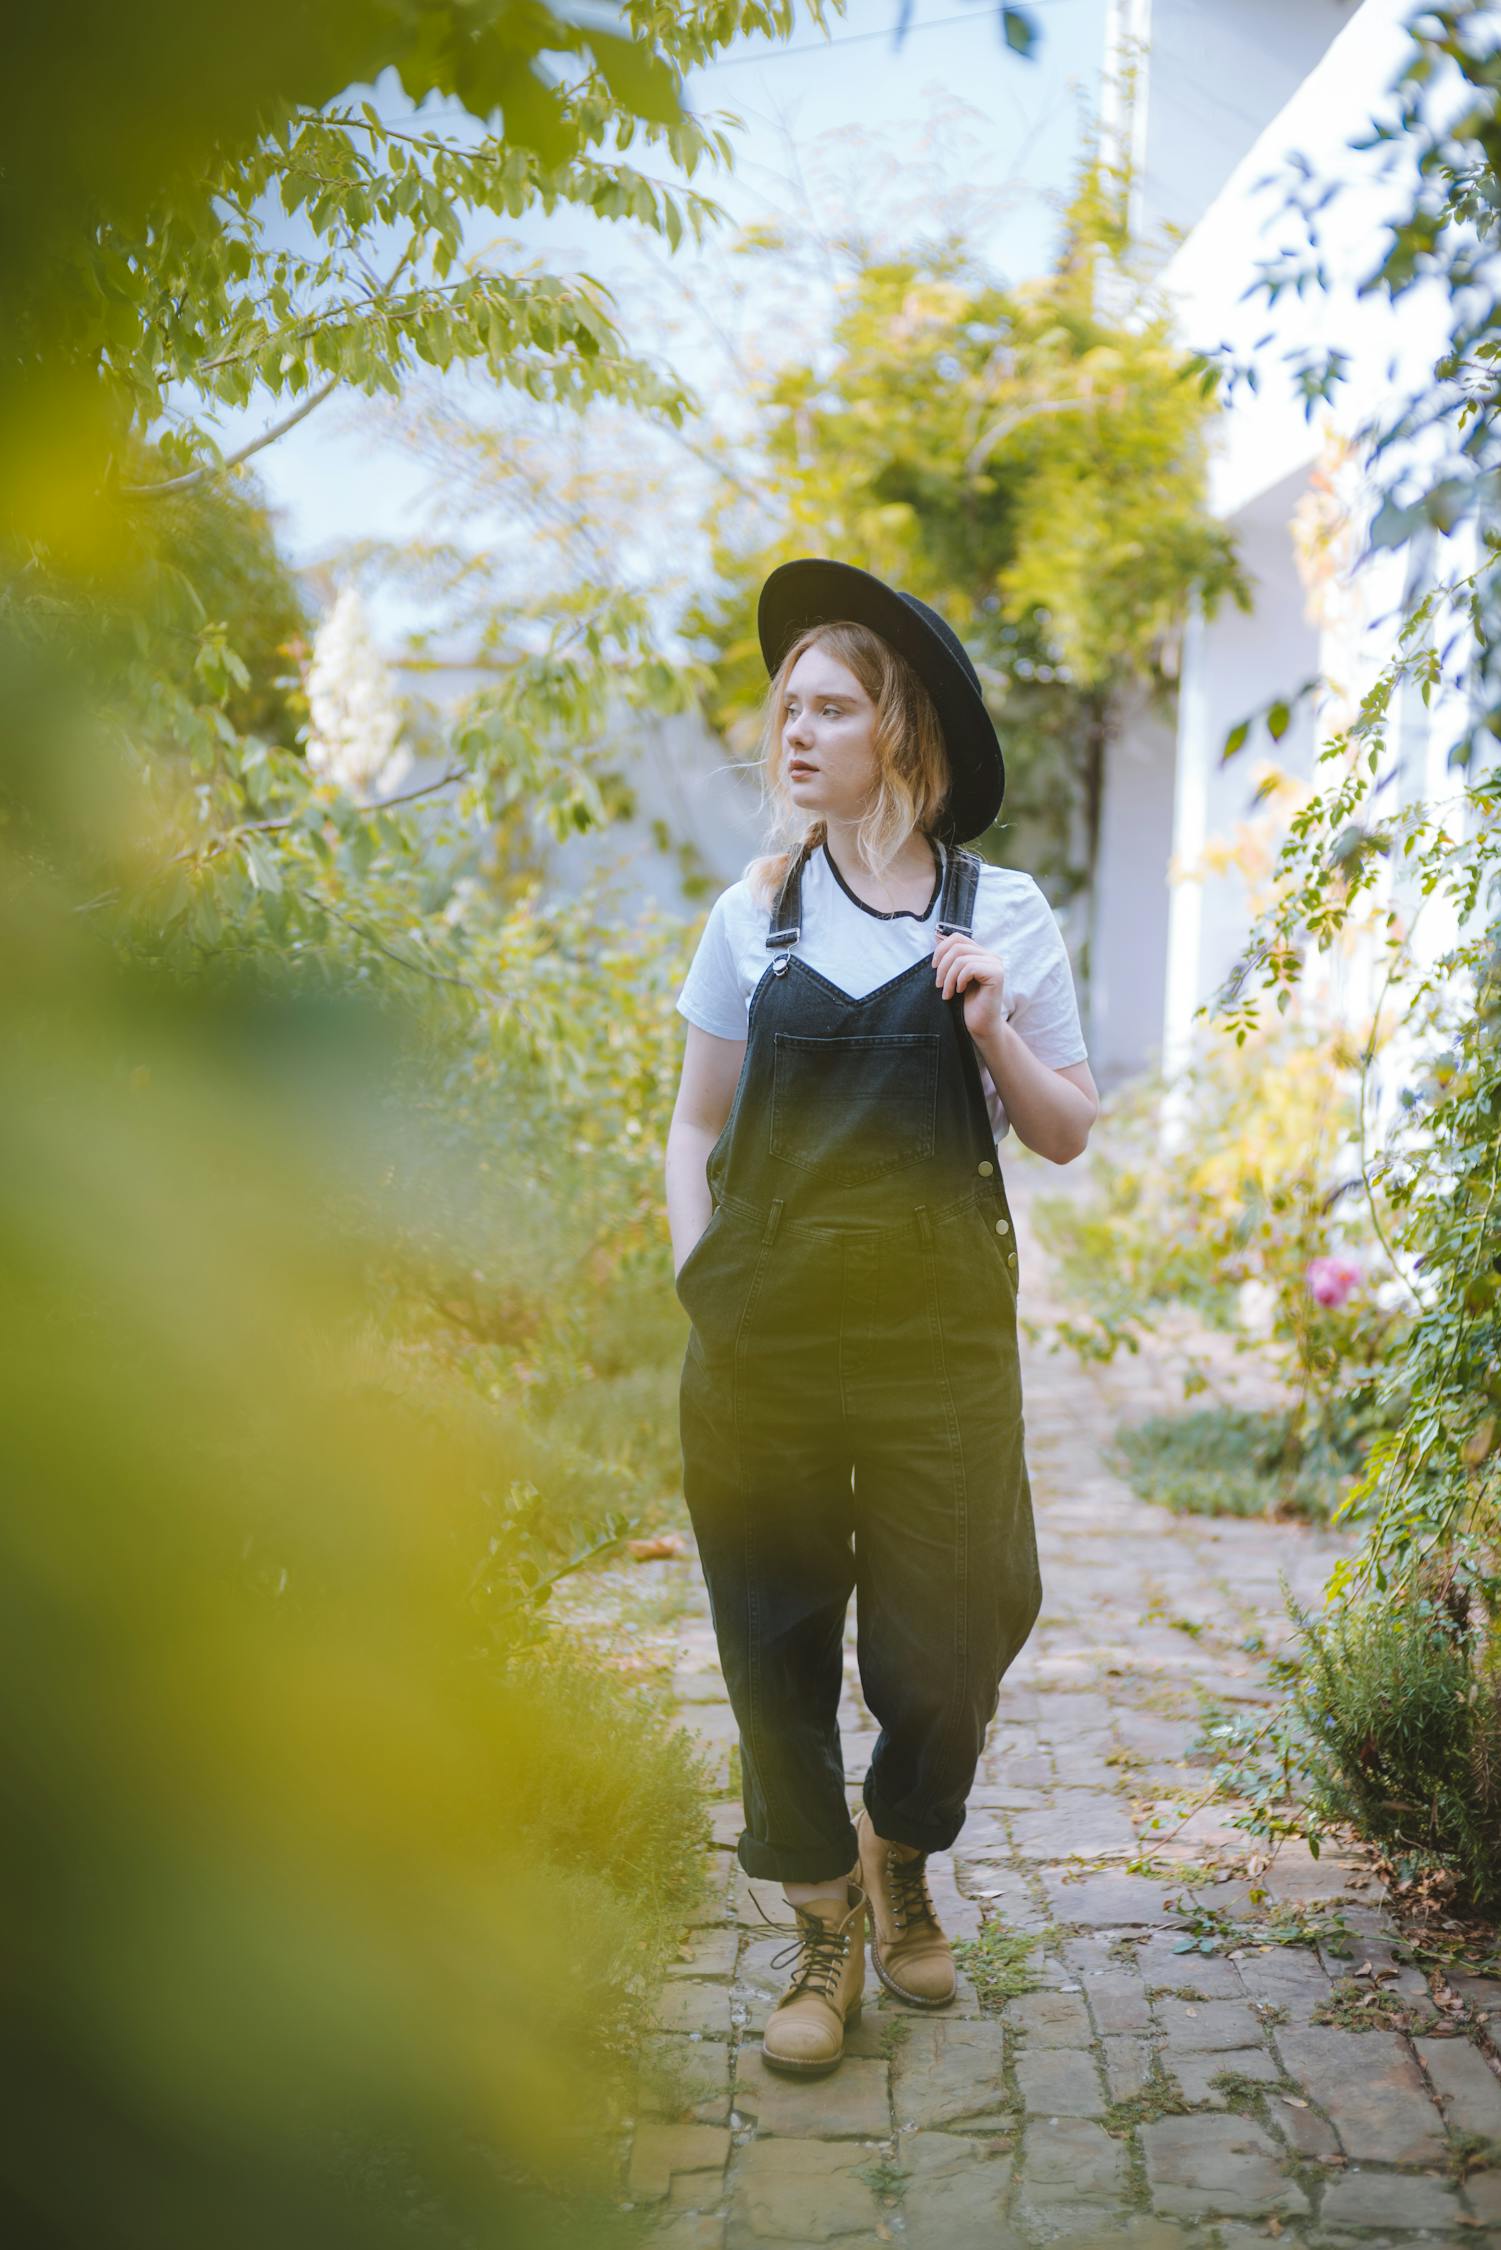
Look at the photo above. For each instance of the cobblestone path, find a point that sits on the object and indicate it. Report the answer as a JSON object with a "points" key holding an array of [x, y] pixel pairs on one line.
{"points": [[1137, 2095]]}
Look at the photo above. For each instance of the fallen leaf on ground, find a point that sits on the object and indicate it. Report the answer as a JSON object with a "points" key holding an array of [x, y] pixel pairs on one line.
{"points": [[667, 1546]]}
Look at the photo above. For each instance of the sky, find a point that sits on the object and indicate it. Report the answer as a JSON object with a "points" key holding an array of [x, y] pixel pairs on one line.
{"points": [[855, 129]]}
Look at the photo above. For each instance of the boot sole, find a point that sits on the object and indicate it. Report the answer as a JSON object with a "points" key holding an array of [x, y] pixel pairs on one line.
{"points": [[811, 2069], [912, 1999]]}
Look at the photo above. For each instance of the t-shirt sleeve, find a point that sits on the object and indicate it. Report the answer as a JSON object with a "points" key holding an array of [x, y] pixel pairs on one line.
{"points": [[711, 995], [1047, 1008]]}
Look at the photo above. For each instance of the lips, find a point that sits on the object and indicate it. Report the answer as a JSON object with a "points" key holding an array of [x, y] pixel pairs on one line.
{"points": [[800, 765]]}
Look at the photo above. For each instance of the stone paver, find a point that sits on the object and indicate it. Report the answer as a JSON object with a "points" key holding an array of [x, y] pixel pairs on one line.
{"points": [[703, 2008], [1389, 2199], [1138, 2097], [686, 2079], [661, 2153], [1060, 2082], [949, 2073], [1200, 2167], [1070, 2157], [1128, 2065], [1200, 2077], [1050, 2019], [854, 2101], [805, 2191], [955, 2193], [1205, 2026], [1466, 2085], [1372, 2091]]}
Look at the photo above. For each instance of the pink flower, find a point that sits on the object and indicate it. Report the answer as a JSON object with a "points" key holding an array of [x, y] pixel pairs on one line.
{"points": [[1330, 1280]]}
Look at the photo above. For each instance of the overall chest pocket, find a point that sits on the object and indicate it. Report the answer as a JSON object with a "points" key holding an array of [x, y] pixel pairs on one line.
{"points": [[852, 1109]]}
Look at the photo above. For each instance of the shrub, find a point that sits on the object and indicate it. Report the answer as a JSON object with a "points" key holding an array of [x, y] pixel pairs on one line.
{"points": [[1400, 1700], [1245, 1223], [1242, 1461], [335, 1887]]}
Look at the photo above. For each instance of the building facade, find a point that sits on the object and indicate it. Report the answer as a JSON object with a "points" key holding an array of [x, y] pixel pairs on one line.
{"points": [[1208, 102]]}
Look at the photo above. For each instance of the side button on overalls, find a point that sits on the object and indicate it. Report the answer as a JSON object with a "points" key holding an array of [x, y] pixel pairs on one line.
{"points": [[851, 1407]]}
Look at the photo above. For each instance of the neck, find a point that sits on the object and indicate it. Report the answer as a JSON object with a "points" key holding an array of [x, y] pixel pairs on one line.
{"points": [[915, 858]]}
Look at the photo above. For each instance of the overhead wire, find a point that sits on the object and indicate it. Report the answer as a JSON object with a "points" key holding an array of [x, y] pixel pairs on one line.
{"points": [[976, 14]]}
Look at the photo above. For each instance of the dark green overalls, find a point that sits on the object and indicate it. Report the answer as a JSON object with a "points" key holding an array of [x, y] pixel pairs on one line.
{"points": [[851, 1403]]}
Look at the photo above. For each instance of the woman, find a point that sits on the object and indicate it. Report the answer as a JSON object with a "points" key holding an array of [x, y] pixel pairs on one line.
{"points": [[860, 1008]]}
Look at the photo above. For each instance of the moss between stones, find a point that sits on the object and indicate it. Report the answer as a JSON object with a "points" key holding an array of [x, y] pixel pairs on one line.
{"points": [[999, 1962]]}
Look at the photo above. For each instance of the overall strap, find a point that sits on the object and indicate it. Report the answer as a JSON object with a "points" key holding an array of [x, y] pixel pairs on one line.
{"points": [[787, 914], [961, 887]]}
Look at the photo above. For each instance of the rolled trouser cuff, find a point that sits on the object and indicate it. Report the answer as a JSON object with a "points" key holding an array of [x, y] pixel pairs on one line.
{"points": [[805, 1863]]}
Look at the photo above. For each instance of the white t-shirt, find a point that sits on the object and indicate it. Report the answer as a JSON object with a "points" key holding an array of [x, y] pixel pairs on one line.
{"points": [[859, 947]]}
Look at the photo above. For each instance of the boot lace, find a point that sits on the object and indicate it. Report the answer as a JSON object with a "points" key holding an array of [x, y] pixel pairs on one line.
{"points": [[907, 1889], [818, 1950]]}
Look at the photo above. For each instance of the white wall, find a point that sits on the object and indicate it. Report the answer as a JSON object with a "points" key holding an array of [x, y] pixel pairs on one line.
{"points": [[1232, 665], [1266, 434], [1219, 73], [1334, 65], [1129, 936], [683, 778]]}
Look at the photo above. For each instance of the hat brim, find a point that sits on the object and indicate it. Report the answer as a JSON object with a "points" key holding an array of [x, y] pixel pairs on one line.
{"points": [[816, 591]]}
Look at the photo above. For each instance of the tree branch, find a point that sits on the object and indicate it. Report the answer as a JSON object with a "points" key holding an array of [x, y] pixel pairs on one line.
{"points": [[192, 477], [216, 844], [1001, 430]]}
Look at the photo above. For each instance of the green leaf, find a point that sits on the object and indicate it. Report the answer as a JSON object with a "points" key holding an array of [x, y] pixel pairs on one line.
{"points": [[1019, 30], [1278, 719], [261, 862], [1234, 740], [638, 77], [1394, 525]]}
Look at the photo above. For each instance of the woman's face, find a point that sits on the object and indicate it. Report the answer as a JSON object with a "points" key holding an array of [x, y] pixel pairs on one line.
{"points": [[828, 738]]}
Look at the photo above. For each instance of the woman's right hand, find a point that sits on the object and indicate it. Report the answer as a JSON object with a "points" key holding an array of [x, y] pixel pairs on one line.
{"points": [[706, 1095]]}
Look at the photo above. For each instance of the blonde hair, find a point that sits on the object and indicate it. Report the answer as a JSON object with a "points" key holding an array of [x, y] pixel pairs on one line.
{"points": [[912, 761]]}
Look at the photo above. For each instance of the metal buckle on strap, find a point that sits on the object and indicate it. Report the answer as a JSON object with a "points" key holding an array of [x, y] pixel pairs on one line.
{"points": [[787, 917]]}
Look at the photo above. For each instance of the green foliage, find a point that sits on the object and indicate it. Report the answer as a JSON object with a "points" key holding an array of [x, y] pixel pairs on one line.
{"points": [[1431, 1479], [228, 619], [1209, 1930], [1224, 1221], [1030, 464], [1431, 1488], [291, 241], [283, 237], [1400, 1700], [999, 1961], [1236, 1461], [336, 1891], [1388, 1717]]}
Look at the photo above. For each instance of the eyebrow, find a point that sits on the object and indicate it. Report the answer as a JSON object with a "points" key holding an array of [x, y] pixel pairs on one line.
{"points": [[828, 695]]}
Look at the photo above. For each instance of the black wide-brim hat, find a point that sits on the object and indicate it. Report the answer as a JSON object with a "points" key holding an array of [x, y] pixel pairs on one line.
{"points": [[815, 591]]}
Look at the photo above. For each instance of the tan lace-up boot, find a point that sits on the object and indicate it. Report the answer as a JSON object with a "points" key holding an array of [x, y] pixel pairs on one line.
{"points": [[912, 1956], [805, 2031]]}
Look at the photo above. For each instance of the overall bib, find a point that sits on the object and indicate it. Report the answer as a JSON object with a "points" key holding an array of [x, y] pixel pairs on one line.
{"points": [[851, 1406]]}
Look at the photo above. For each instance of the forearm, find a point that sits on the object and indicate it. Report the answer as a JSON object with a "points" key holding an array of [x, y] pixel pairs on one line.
{"points": [[689, 1203], [1049, 1113]]}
